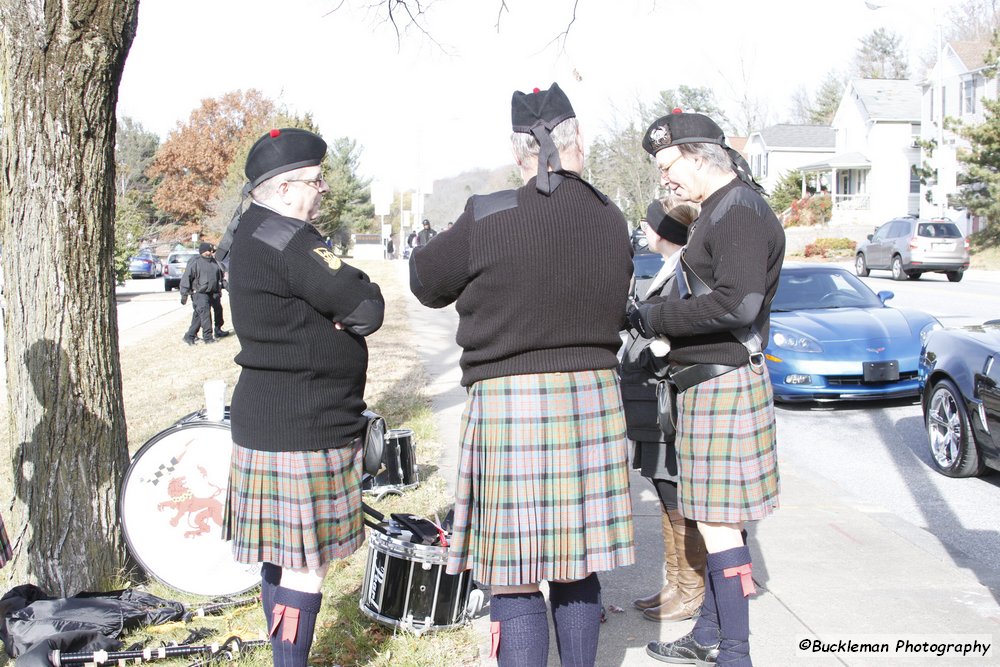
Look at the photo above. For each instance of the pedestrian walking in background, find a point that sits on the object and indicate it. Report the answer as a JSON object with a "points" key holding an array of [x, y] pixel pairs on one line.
{"points": [[425, 235], [539, 276], [716, 317], [202, 282]]}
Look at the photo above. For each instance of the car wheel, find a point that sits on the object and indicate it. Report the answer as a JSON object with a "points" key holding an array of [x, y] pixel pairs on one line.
{"points": [[914, 275], [861, 266], [953, 450], [955, 276], [897, 268], [167, 286]]}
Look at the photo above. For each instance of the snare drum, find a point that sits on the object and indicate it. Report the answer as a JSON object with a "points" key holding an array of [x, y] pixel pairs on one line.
{"points": [[406, 585], [400, 460], [171, 508]]}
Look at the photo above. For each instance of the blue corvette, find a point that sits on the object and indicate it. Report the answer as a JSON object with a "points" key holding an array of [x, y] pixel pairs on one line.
{"points": [[832, 338]]}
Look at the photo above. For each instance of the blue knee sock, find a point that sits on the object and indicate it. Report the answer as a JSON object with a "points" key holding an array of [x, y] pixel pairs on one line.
{"points": [[733, 605], [293, 624], [706, 626], [523, 630], [270, 578], [576, 614]]}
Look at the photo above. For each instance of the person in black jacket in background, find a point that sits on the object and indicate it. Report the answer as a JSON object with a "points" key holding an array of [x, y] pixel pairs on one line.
{"points": [[294, 498], [202, 282]]}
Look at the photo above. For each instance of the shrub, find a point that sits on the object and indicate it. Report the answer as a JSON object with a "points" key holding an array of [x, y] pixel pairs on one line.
{"points": [[842, 247], [812, 210]]}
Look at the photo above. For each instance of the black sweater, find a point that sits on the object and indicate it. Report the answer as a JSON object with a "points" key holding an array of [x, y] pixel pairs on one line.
{"points": [[540, 283], [736, 246], [303, 381]]}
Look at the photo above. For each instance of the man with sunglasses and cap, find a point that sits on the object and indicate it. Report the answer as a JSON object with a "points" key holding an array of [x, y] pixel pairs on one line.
{"points": [[716, 318], [294, 499], [539, 276]]}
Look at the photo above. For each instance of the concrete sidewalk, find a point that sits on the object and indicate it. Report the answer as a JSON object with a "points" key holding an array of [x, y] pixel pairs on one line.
{"points": [[827, 567]]}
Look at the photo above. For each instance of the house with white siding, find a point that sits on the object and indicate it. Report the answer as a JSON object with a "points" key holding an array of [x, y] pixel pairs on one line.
{"points": [[870, 174], [953, 88], [779, 149]]}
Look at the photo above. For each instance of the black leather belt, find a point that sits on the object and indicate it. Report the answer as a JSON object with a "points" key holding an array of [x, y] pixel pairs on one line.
{"points": [[684, 377]]}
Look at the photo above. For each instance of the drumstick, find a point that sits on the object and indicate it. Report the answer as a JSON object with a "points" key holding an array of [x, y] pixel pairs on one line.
{"points": [[376, 526]]}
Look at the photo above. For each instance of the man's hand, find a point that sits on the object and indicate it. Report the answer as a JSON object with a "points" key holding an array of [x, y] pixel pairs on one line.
{"points": [[639, 320], [184, 299]]}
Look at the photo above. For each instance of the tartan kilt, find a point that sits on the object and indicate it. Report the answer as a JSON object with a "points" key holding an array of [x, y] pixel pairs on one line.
{"points": [[726, 449], [543, 487], [298, 509]]}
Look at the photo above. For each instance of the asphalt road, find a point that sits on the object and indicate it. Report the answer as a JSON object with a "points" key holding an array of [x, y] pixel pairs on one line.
{"points": [[878, 452]]}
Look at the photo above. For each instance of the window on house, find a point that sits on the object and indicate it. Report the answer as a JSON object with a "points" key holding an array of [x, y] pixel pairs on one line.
{"points": [[914, 180], [968, 96], [944, 102], [932, 103]]}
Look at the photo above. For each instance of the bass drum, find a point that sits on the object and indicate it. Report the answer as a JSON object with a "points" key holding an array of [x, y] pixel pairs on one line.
{"points": [[171, 508]]}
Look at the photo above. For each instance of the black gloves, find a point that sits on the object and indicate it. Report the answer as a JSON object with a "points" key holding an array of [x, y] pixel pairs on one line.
{"points": [[639, 320], [184, 299]]}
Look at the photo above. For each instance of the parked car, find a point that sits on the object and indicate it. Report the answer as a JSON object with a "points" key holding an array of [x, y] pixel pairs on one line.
{"points": [[145, 265], [645, 267], [911, 247], [960, 380], [832, 338], [177, 261]]}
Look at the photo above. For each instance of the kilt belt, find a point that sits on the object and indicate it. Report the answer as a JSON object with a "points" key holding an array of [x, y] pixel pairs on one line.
{"points": [[684, 377]]}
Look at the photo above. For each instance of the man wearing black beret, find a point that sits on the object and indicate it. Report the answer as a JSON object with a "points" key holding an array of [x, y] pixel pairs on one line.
{"points": [[294, 500], [716, 318], [539, 276]]}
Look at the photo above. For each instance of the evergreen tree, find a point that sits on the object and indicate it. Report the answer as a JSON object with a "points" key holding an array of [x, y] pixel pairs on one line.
{"points": [[881, 56], [828, 98], [347, 207]]}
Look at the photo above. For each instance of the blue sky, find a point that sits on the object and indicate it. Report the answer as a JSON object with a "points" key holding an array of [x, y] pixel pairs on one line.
{"points": [[427, 109]]}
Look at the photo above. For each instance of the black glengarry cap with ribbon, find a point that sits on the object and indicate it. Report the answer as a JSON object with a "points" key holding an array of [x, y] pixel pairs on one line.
{"points": [[679, 128], [536, 113], [283, 150], [274, 153]]}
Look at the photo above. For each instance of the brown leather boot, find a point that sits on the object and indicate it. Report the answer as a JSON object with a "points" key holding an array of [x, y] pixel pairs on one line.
{"points": [[691, 554], [669, 569]]}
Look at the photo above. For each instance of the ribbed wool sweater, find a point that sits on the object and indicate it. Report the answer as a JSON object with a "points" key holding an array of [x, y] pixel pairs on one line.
{"points": [[736, 246], [540, 283], [303, 381]]}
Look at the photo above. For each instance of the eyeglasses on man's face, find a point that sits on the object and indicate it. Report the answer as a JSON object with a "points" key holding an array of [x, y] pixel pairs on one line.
{"points": [[317, 182], [665, 169]]}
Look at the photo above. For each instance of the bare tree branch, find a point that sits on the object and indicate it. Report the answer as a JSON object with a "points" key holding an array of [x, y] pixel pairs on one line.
{"points": [[503, 8], [564, 35]]}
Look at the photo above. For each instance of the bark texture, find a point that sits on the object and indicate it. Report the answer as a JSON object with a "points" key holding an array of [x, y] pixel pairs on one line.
{"points": [[61, 63]]}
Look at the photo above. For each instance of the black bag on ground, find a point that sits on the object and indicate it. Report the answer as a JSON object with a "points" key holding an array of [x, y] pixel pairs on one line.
{"points": [[31, 616]]}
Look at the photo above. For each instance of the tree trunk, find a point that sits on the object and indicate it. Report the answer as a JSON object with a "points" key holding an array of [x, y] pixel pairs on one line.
{"points": [[61, 63]]}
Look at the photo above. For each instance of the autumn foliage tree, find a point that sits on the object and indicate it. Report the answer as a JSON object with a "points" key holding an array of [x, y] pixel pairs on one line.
{"points": [[196, 157]]}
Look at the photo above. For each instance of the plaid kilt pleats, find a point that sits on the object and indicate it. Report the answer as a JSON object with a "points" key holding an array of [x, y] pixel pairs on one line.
{"points": [[726, 449], [294, 509], [542, 491]]}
